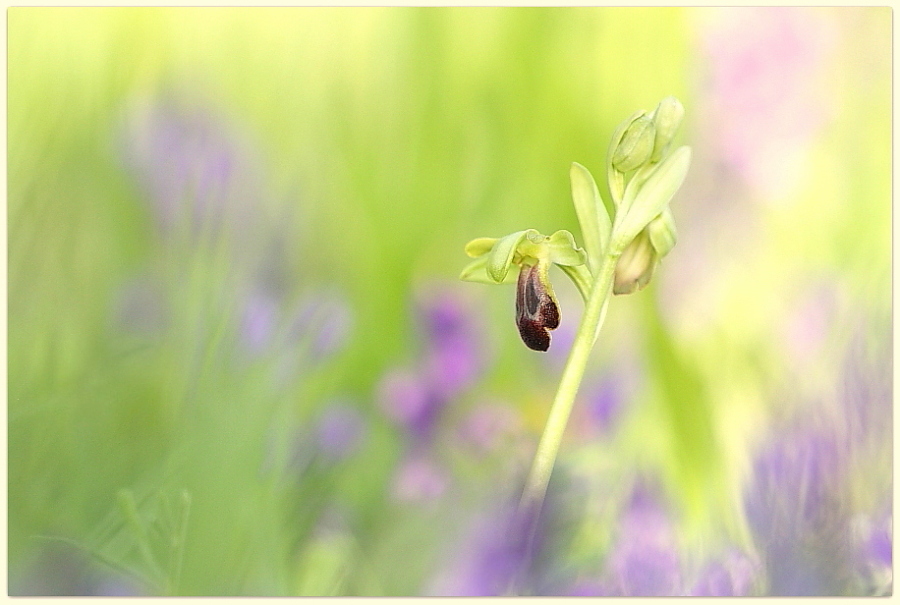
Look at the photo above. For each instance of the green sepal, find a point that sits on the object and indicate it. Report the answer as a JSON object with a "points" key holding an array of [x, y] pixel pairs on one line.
{"points": [[615, 178], [667, 118], [634, 185], [592, 216], [581, 277], [662, 232], [476, 272], [636, 146]]}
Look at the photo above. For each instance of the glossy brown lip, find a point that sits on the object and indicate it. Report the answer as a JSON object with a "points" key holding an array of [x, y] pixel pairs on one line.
{"points": [[536, 311]]}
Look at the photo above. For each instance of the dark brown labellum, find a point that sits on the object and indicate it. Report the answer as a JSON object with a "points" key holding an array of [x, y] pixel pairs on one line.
{"points": [[536, 308]]}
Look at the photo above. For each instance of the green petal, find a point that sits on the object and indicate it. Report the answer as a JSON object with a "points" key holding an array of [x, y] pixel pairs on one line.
{"points": [[563, 250], [501, 255], [479, 246], [592, 215], [475, 272], [662, 232], [654, 195], [635, 183]]}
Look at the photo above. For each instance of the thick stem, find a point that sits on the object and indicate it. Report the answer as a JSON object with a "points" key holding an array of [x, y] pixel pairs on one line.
{"points": [[539, 477]]}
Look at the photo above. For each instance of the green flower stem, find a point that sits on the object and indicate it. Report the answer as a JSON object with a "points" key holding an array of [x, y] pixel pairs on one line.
{"points": [[539, 477]]}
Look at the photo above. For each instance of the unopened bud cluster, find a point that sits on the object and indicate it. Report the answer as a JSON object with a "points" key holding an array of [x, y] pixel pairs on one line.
{"points": [[640, 157]]}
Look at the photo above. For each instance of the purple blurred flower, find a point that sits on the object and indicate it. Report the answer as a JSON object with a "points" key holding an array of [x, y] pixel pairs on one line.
{"points": [[493, 559], [644, 559], [327, 439], [317, 327], [873, 550], [192, 166], [591, 588], [339, 431], [617, 386], [866, 393], [58, 571], [809, 480], [794, 478], [453, 355], [407, 399], [732, 575], [452, 339], [324, 321], [797, 510], [258, 321], [878, 544], [652, 570]]}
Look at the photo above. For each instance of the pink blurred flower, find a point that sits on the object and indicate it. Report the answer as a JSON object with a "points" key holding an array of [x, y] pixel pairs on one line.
{"points": [[419, 479], [487, 426], [809, 324], [766, 94]]}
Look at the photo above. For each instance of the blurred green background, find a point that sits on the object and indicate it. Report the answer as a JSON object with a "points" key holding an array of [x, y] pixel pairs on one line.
{"points": [[229, 230]]}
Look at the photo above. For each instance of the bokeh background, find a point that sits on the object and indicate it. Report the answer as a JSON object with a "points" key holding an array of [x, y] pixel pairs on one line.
{"points": [[240, 361]]}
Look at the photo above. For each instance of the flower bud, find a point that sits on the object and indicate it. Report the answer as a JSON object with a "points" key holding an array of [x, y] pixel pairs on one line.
{"points": [[640, 257], [667, 118], [636, 265], [636, 145]]}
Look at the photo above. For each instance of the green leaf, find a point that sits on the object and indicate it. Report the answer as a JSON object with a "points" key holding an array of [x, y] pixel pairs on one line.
{"points": [[592, 215], [501, 255], [654, 196]]}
